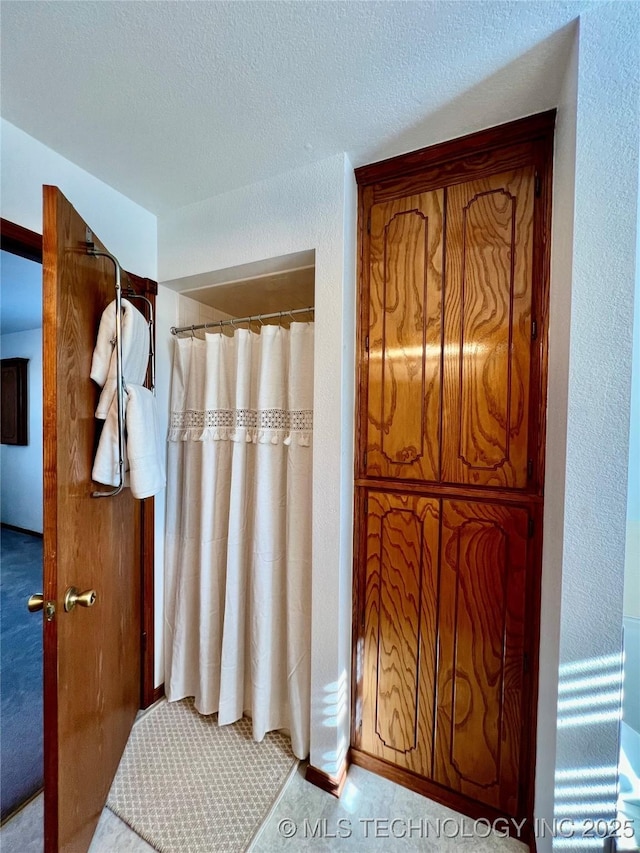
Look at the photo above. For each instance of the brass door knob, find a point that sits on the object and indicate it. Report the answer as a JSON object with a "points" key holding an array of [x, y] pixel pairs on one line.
{"points": [[35, 602], [84, 599]]}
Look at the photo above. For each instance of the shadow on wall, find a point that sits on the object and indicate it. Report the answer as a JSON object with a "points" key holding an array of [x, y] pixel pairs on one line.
{"points": [[335, 711], [629, 766], [589, 694], [495, 100]]}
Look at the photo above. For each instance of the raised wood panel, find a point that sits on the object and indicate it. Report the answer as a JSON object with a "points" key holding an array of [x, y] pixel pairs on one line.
{"points": [[398, 654], [405, 316], [487, 330], [481, 640]]}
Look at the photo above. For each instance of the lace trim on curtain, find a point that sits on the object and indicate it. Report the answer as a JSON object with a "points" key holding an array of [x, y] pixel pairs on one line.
{"points": [[264, 426]]}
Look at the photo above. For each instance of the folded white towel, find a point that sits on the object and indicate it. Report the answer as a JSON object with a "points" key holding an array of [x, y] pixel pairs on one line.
{"points": [[135, 352], [145, 447]]}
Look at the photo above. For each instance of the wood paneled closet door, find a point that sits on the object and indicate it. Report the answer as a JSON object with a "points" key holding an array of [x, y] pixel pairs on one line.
{"points": [[454, 265]]}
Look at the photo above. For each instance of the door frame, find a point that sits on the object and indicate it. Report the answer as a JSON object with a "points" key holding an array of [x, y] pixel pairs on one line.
{"points": [[27, 244], [508, 146]]}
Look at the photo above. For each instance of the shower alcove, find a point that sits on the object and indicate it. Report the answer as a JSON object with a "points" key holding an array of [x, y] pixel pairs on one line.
{"points": [[238, 530], [263, 287]]}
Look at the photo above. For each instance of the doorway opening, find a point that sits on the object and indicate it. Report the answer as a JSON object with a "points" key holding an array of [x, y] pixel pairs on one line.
{"points": [[21, 735]]}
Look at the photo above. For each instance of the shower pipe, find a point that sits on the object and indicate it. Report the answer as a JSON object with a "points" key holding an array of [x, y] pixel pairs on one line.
{"points": [[232, 322]]}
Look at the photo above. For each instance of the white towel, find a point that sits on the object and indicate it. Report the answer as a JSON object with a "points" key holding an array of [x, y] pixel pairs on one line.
{"points": [[144, 448], [105, 465], [135, 352]]}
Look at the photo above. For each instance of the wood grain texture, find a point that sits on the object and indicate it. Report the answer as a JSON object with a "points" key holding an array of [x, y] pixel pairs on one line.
{"points": [[487, 330], [20, 241], [440, 490], [473, 167], [399, 631], [91, 656], [481, 641], [488, 143], [541, 278], [439, 794], [405, 318]]}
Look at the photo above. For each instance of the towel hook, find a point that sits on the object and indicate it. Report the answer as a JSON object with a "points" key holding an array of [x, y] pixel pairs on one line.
{"points": [[192, 330]]}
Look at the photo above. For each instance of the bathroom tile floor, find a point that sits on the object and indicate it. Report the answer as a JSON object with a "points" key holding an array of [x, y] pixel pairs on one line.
{"points": [[24, 833], [372, 814]]}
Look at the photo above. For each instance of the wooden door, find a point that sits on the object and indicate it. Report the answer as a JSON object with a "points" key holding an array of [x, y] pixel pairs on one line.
{"points": [[481, 608], [91, 655], [487, 331], [454, 266], [399, 652], [404, 338]]}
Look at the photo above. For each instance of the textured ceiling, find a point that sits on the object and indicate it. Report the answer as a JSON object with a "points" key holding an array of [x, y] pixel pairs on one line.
{"points": [[173, 102]]}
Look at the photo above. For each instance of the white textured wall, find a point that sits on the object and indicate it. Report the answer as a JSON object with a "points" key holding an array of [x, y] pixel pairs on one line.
{"points": [[308, 208], [21, 467], [603, 275], [632, 558], [559, 322]]}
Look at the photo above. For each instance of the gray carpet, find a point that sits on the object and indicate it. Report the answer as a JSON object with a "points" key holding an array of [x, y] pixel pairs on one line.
{"points": [[187, 785]]}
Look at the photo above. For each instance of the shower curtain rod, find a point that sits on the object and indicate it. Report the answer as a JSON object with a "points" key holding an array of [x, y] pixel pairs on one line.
{"points": [[232, 322]]}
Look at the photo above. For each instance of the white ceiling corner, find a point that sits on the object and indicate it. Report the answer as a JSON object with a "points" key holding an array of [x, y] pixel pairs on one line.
{"points": [[173, 102]]}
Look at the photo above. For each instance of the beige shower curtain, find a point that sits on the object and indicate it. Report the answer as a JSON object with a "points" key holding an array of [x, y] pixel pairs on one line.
{"points": [[238, 548]]}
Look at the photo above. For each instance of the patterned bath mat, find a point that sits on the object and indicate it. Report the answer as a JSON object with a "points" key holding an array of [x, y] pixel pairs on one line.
{"points": [[187, 785]]}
